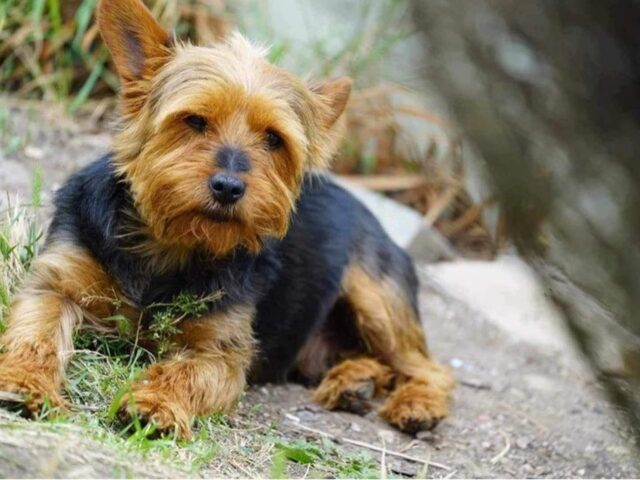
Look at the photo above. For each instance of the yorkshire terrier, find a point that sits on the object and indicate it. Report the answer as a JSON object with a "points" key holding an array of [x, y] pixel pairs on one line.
{"points": [[212, 188]]}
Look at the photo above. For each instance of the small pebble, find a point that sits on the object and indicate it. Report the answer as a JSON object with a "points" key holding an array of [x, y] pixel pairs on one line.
{"points": [[386, 436], [34, 152], [306, 415], [456, 362], [483, 418]]}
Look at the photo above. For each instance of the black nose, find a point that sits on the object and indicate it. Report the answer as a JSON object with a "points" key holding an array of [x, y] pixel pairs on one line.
{"points": [[226, 188]]}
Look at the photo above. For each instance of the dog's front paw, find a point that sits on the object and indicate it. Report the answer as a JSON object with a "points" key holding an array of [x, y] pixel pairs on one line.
{"points": [[150, 403], [25, 389], [414, 407]]}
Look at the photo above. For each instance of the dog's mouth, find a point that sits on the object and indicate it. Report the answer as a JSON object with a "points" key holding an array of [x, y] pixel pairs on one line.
{"points": [[218, 215]]}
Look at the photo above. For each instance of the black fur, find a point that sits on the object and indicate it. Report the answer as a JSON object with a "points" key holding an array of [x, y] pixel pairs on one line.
{"points": [[295, 282]]}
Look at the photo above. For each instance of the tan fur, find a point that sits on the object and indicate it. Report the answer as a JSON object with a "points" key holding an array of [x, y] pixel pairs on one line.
{"points": [[394, 336], [138, 46], [65, 284], [241, 96], [315, 357], [351, 383], [417, 405], [167, 166], [206, 374]]}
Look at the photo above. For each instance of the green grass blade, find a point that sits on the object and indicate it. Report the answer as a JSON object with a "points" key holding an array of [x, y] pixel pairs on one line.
{"points": [[88, 85], [37, 11], [115, 403], [83, 20], [4, 295], [36, 188], [54, 16]]}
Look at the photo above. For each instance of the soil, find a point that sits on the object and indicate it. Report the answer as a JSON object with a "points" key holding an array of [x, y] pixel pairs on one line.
{"points": [[520, 410]]}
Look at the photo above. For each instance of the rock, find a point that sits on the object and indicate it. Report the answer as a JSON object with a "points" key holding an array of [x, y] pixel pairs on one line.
{"points": [[407, 469], [33, 152], [507, 293], [426, 435], [387, 436], [456, 362], [403, 224], [483, 418], [306, 415]]}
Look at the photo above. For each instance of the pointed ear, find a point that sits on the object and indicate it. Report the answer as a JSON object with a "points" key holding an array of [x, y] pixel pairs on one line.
{"points": [[335, 94], [135, 39]]}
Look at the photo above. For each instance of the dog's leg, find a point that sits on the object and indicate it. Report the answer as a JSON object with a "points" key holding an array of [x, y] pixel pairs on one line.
{"points": [[393, 335], [206, 374], [63, 281]]}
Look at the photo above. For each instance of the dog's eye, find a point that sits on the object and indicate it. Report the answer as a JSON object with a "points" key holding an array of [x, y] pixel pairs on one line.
{"points": [[196, 122], [274, 140]]}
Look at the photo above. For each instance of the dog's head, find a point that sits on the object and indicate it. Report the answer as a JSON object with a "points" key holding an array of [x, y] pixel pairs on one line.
{"points": [[214, 140]]}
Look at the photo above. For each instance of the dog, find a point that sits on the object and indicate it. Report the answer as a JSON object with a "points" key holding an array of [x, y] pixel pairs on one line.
{"points": [[213, 190]]}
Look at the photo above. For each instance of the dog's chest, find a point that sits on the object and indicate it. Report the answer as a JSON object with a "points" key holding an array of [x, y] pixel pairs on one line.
{"points": [[240, 279]]}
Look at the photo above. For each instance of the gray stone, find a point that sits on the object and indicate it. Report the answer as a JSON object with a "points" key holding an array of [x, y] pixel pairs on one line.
{"points": [[404, 225]]}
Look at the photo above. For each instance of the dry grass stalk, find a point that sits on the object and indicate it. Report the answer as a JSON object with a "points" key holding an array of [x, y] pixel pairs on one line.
{"points": [[381, 155], [52, 49]]}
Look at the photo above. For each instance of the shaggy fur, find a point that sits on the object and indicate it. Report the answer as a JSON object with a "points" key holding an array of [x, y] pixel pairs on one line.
{"points": [[304, 282]]}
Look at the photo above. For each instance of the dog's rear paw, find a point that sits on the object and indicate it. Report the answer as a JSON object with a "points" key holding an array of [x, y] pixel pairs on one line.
{"points": [[354, 398], [415, 407], [352, 384], [150, 404]]}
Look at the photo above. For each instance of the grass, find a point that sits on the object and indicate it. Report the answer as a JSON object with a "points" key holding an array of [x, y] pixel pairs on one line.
{"points": [[326, 458], [20, 238], [102, 370], [51, 49]]}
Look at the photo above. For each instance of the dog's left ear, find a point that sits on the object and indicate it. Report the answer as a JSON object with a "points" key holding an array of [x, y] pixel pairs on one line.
{"points": [[137, 42], [334, 94]]}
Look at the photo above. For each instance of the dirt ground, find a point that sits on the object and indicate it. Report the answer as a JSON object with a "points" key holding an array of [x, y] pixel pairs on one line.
{"points": [[519, 410]]}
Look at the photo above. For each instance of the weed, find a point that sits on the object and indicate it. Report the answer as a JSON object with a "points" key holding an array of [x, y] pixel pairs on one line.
{"points": [[165, 317], [325, 458], [51, 49], [20, 237]]}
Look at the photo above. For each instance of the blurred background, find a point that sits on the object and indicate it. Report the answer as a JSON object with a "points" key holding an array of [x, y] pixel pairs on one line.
{"points": [[496, 140]]}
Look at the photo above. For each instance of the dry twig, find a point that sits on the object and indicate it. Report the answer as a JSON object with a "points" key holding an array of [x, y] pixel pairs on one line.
{"points": [[295, 421], [504, 451]]}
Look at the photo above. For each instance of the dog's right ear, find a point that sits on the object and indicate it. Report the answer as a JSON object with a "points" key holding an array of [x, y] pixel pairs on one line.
{"points": [[137, 42]]}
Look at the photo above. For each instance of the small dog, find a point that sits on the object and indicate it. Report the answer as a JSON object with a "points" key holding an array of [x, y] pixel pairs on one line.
{"points": [[209, 189]]}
